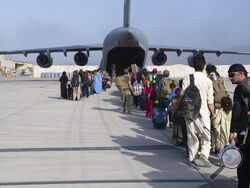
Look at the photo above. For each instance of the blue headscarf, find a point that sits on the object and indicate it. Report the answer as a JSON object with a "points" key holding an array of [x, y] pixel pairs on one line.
{"points": [[98, 83]]}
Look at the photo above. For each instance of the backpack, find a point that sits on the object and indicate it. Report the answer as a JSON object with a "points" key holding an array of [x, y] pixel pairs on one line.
{"points": [[137, 89], [190, 102], [165, 89], [75, 80], [219, 91], [158, 115], [158, 78], [121, 82], [246, 86], [84, 76]]}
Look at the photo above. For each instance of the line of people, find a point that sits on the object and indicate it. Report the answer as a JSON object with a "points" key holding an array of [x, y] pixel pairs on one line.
{"points": [[215, 120], [160, 97], [83, 84]]}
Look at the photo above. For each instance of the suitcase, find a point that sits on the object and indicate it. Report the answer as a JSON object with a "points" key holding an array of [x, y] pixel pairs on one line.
{"points": [[158, 115]]}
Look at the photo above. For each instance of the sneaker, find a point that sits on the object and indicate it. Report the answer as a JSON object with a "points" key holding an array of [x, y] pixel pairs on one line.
{"points": [[202, 161]]}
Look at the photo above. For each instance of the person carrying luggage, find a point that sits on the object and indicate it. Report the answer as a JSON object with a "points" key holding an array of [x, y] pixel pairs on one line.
{"points": [[177, 133], [197, 104], [163, 89], [75, 83], [123, 83], [218, 85], [219, 92], [84, 83]]}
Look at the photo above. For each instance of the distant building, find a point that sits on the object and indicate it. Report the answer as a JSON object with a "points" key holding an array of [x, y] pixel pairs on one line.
{"points": [[12, 65], [1, 59], [176, 71], [20, 66]]}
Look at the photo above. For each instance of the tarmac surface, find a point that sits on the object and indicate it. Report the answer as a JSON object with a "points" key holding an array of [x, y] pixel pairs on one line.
{"points": [[46, 141]]}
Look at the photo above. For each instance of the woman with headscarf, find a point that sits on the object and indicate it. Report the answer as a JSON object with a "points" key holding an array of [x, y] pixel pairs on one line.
{"points": [[64, 80], [98, 82]]}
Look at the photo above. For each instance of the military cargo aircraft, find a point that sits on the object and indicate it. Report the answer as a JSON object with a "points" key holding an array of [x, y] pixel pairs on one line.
{"points": [[122, 47]]}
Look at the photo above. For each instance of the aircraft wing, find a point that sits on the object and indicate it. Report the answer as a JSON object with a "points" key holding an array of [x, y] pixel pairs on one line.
{"points": [[64, 49], [179, 51]]}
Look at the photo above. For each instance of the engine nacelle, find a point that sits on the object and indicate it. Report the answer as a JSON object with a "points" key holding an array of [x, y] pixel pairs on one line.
{"points": [[81, 58], [159, 58], [44, 60]]}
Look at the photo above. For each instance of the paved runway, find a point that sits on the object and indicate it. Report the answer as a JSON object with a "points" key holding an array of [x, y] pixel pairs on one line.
{"points": [[49, 142]]}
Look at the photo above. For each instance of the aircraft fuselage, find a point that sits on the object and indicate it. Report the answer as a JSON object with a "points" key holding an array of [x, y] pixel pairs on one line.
{"points": [[124, 46]]}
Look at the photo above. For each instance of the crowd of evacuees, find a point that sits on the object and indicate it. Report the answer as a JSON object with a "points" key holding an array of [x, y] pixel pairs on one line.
{"points": [[212, 127], [157, 94], [217, 123], [83, 83]]}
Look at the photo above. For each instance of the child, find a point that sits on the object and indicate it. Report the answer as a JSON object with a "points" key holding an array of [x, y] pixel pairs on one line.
{"points": [[174, 103], [69, 92], [171, 95], [222, 123]]}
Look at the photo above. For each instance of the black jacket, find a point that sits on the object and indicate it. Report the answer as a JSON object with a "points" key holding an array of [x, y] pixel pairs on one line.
{"points": [[239, 120], [84, 76]]}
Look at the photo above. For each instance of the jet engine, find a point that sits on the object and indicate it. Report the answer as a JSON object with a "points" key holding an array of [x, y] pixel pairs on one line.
{"points": [[44, 60], [81, 58], [159, 58]]}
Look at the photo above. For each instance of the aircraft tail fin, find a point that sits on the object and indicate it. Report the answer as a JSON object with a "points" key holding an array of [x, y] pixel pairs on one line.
{"points": [[126, 16]]}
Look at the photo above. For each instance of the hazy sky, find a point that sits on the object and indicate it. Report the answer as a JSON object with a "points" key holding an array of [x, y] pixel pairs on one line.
{"points": [[209, 24]]}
